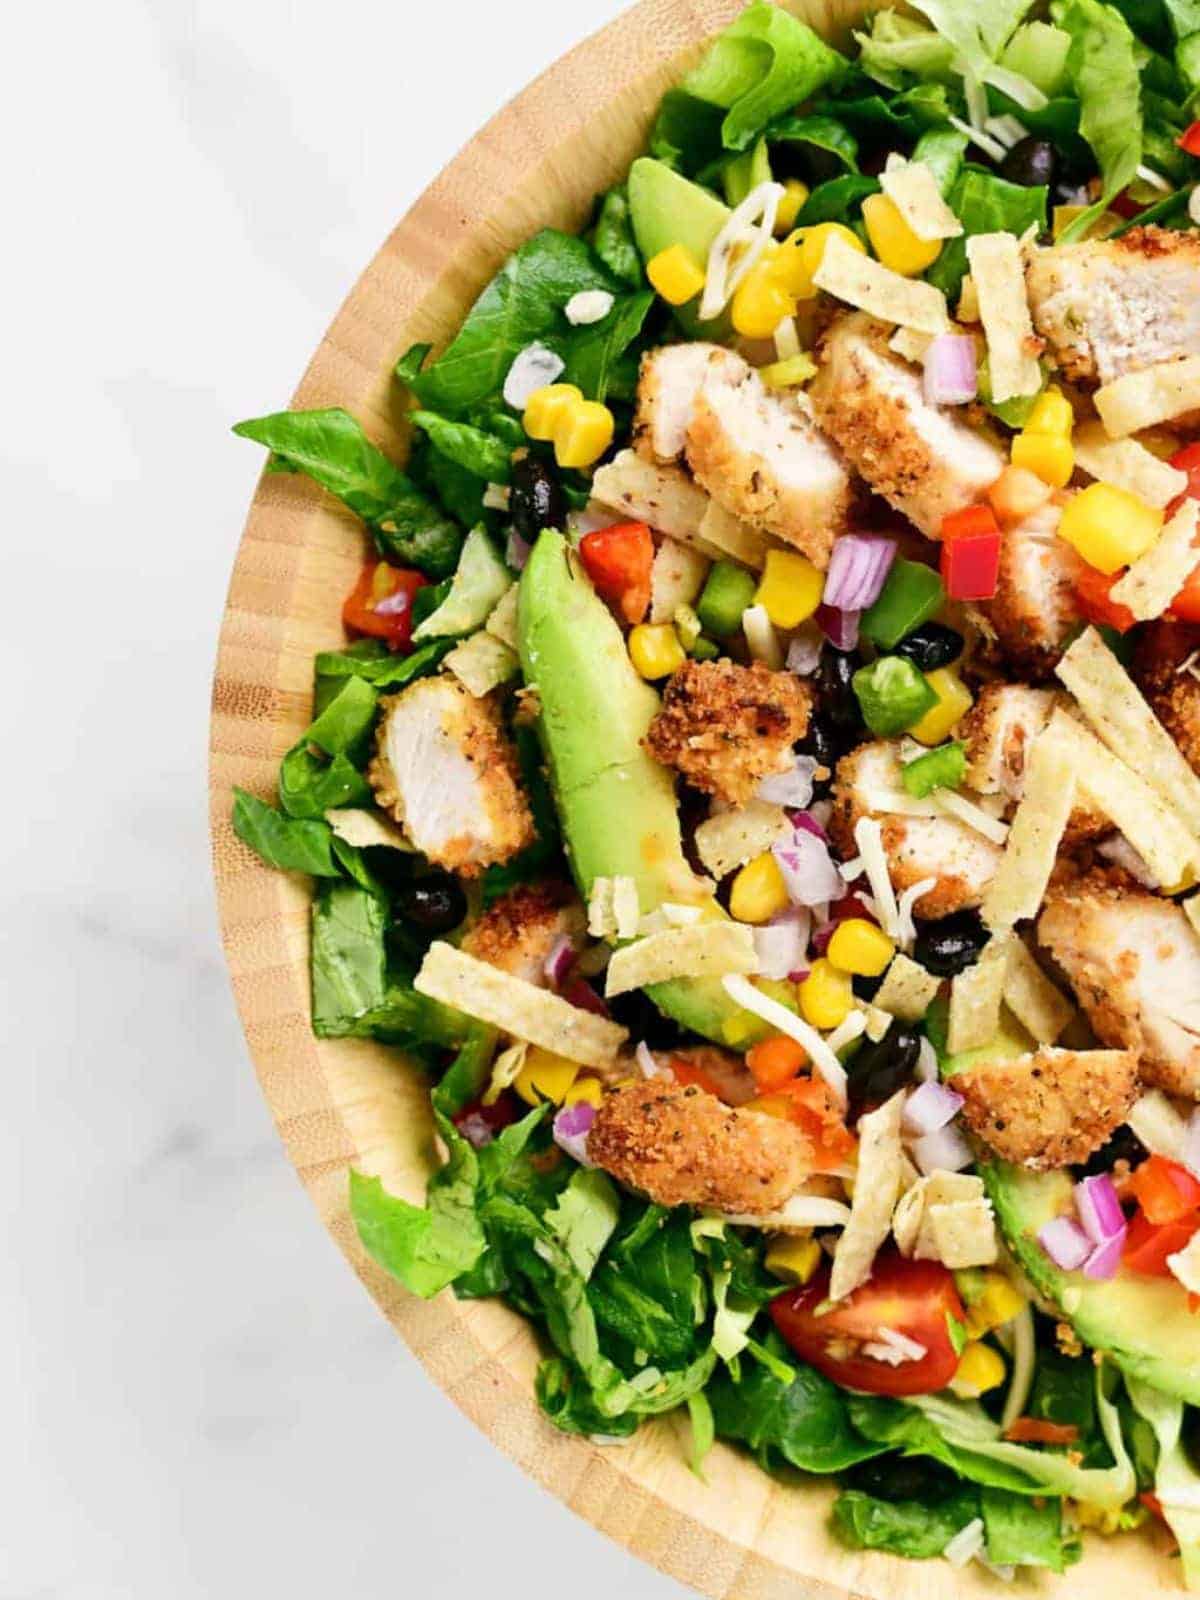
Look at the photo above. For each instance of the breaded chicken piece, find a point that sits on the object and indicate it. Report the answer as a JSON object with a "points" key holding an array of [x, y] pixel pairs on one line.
{"points": [[446, 770], [520, 929], [726, 727], [1111, 306], [1133, 960], [759, 455], [922, 458], [960, 860], [683, 1147], [1034, 611], [1166, 667], [1051, 1108], [998, 732], [668, 383]]}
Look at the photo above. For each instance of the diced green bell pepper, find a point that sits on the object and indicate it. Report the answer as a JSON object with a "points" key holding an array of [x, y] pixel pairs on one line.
{"points": [[728, 590], [892, 695], [912, 594], [943, 768]]}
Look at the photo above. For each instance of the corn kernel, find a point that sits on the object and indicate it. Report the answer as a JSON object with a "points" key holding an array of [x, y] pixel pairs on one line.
{"points": [[793, 1257], [826, 995], [1109, 527], [789, 374], [790, 589], [676, 274], [893, 241], [1049, 456], [1051, 413], [584, 434], [759, 892], [546, 408], [801, 254], [545, 1076], [586, 1090], [980, 1368], [998, 1303], [772, 1105], [760, 302], [953, 703], [655, 650], [795, 197], [859, 947]]}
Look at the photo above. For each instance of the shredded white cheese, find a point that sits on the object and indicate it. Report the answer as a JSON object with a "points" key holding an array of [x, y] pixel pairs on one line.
{"points": [[868, 836], [966, 811], [822, 1057], [855, 278], [906, 928], [751, 226], [999, 279], [761, 638], [588, 306]]}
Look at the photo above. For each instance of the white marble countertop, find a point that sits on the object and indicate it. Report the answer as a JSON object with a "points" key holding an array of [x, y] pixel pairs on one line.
{"points": [[198, 1398]]}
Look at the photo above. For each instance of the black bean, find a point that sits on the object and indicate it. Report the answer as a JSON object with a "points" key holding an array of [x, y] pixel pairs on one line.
{"points": [[819, 743], [637, 1012], [950, 945], [878, 1068], [434, 904], [1031, 162], [832, 683], [902, 1478], [931, 646], [1123, 1146], [867, 988], [536, 500]]}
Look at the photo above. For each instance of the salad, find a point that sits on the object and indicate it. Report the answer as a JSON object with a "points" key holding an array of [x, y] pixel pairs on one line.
{"points": [[761, 787]]}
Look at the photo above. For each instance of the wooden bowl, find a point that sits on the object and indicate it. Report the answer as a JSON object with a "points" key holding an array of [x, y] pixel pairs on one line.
{"points": [[341, 1103]]}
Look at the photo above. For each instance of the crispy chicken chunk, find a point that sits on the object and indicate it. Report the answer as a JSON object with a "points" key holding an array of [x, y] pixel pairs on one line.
{"points": [[1133, 960], [446, 770], [520, 929], [1111, 306], [922, 458], [1166, 665], [1052, 1108], [726, 727], [681, 1146], [668, 383], [1034, 610], [960, 860], [998, 732]]}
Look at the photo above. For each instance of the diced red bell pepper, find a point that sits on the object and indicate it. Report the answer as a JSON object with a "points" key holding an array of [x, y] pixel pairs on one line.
{"points": [[970, 564], [380, 604], [1186, 605], [1093, 590], [1165, 1191], [618, 561], [1189, 139], [812, 1107], [1147, 1246], [969, 522]]}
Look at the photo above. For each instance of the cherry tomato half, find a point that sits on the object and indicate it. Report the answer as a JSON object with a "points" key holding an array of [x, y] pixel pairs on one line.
{"points": [[915, 1298], [380, 604]]}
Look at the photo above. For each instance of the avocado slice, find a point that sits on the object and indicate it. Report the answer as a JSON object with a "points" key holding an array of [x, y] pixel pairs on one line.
{"points": [[1143, 1323], [616, 804], [666, 209]]}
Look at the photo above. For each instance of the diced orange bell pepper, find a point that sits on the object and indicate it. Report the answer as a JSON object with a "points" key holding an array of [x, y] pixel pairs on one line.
{"points": [[688, 1073], [1148, 1246], [775, 1062], [1165, 1191], [969, 523], [1093, 590], [619, 560]]}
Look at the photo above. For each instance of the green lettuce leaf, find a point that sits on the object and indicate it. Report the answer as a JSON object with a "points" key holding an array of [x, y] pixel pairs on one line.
{"points": [[822, 132], [943, 151], [901, 116], [645, 1295], [348, 958], [1176, 1479], [374, 663], [476, 451], [613, 240], [585, 1217], [687, 133], [914, 1528], [1021, 1532], [897, 49], [839, 200], [984, 203], [1102, 66], [322, 770], [292, 844]]}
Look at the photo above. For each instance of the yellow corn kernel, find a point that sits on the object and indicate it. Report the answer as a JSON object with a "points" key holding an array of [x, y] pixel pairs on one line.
{"points": [[790, 589], [953, 703], [759, 892], [545, 1076], [801, 254], [1051, 413], [546, 408], [584, 434], [676, 274], [655, 650], [999, 1303], [1109, 527], [826, 995], [1049, 456], [586, 1089], [793, 1257], [980, 1368], [893, 241], [789, 374], [1108, 1520], [795, 197], [761, 302], [859, 947]]}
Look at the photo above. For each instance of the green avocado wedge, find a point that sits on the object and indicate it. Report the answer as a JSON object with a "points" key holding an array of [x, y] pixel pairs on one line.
{"points": [[616, 805], [1143, 1323], [667, 209]]}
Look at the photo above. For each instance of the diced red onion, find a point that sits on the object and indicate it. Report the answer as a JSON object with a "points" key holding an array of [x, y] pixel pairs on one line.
{"points": [[799, 975], [516, 551], [931, 1107], [1105, 1259], [581, 994], [951, 370], [1099, 1208], [1121, 853], [804, 652], [559, 962], [793, 788], [857, 569], [475, 1129], [781, 943], [839, 627], [805, 822], [943, 1151], [1190, 1154], [809, 872], [571, 1128], [1065, 1242], [394, 605]]}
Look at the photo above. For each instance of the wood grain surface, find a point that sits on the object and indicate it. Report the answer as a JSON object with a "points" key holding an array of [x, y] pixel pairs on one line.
{"points": [[541, 161]]}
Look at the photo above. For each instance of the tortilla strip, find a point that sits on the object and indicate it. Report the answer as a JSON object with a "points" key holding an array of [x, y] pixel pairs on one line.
{"points": [[876, 1190], [849, 275], [1146, 398], [1034, 836], [704, 950]]}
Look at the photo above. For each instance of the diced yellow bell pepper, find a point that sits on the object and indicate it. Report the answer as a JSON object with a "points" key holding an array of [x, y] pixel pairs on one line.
{"points": [[1109, 527], [761, 302], [801, 254], [795, 197], [546, 408], [759, 892], [860, 947], [893, 241], [999, 1302], [676, 274], [1052, 413], [587, 1089], [584, 434], [980, 1368], [953, 703], [655, 650], [545, 1076], [1049, 456], [826, 995], [789, 374], [790, 589], [793, 1257]]}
